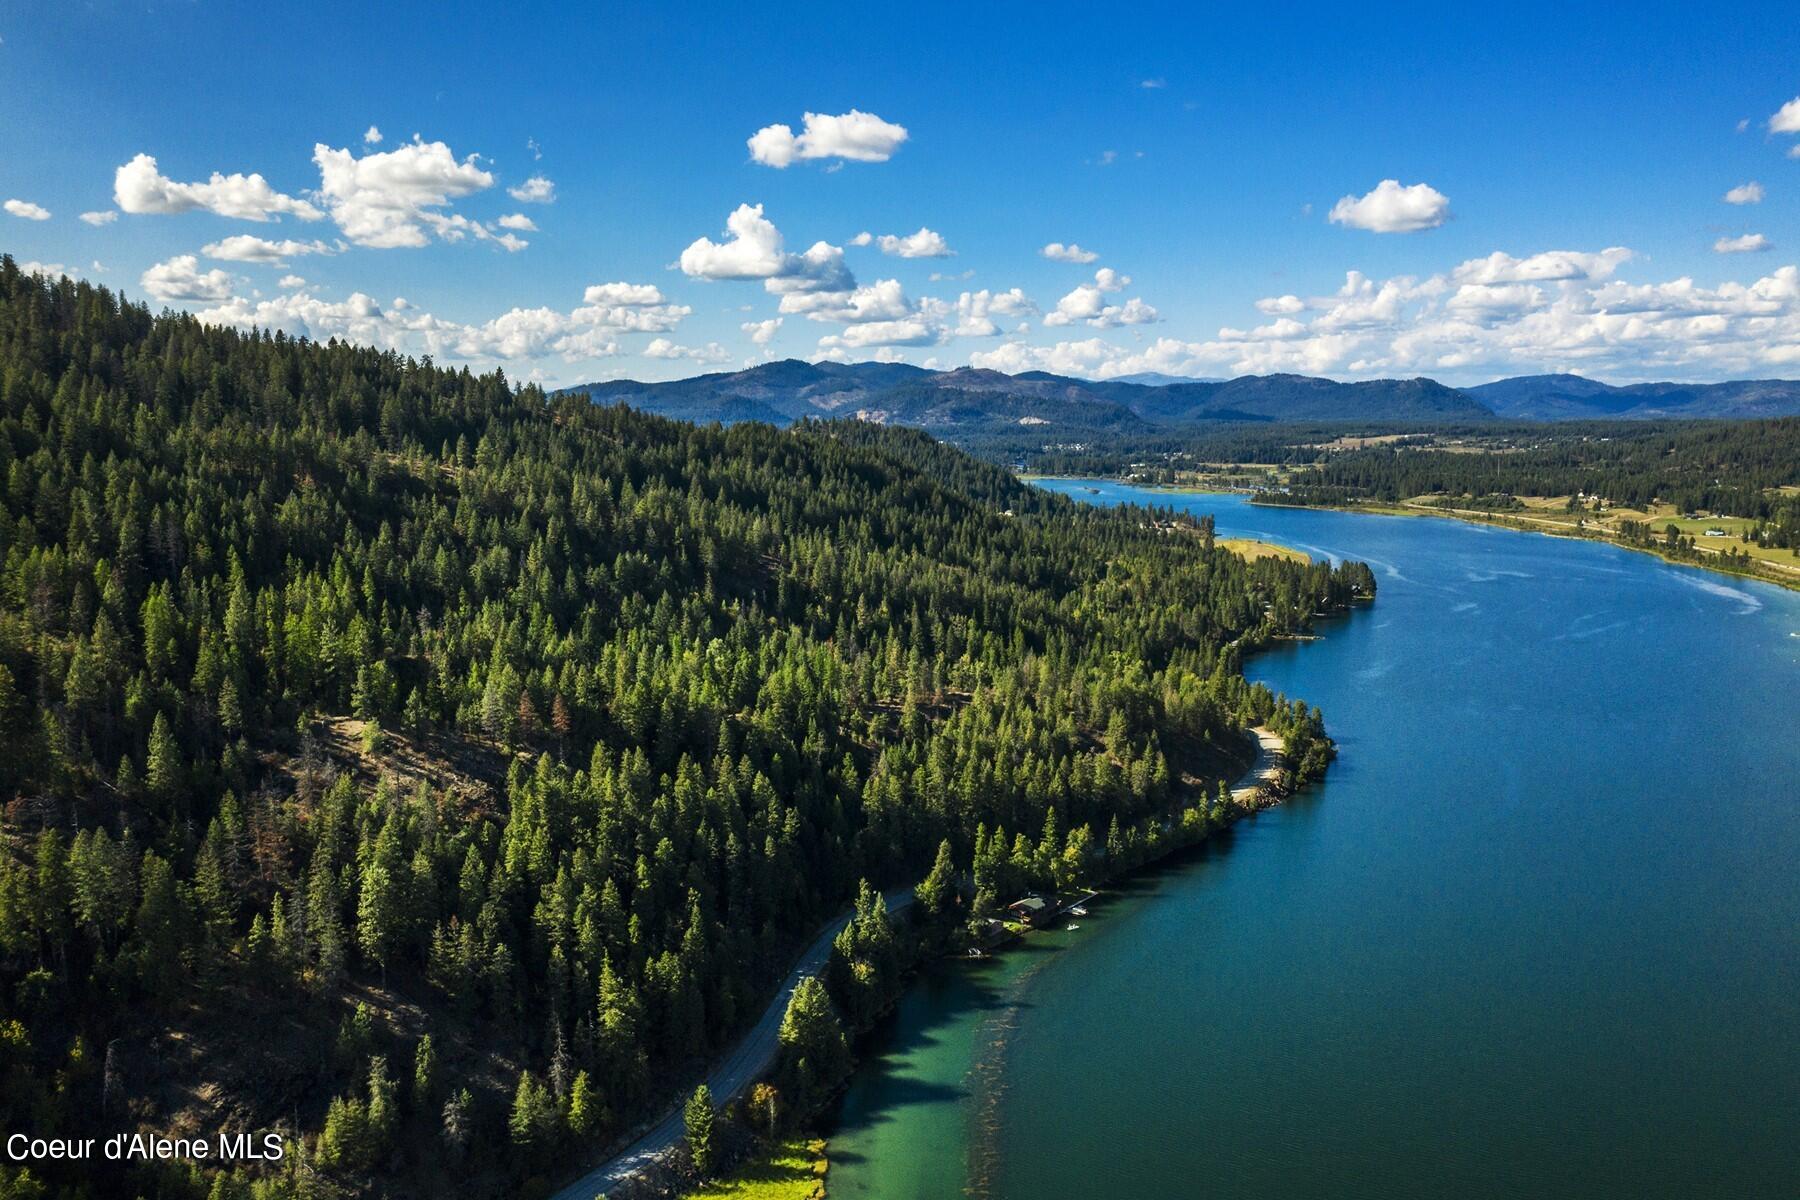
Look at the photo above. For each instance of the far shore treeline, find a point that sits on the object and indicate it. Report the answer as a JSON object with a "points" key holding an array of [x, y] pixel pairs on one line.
{"points": [[439, 772], [1748, 469]]}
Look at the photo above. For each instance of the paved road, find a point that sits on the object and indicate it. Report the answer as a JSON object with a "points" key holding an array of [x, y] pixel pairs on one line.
{"points": [[742, 1066]]}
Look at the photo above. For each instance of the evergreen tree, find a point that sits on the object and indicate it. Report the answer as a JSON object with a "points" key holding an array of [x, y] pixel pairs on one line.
{"points": [[814, 1053], [936, 894], [425, 1079], [534, 1121], [163, 770], [697, 1118]]}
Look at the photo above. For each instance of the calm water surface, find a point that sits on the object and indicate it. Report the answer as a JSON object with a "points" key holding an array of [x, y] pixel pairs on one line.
{"points": [[1538, 934]]}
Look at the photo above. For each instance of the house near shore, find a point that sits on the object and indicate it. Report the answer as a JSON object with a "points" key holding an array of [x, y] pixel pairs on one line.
{"points": [[1032, 910]]}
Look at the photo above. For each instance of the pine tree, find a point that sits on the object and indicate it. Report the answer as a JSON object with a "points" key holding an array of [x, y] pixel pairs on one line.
{"points": [[697, 1117], [814, 1053], [424, 1081], [380, 911], [163, 770], [384, 1110], [584, 1118], [218, 906], [936, 895], [534, 1121]]}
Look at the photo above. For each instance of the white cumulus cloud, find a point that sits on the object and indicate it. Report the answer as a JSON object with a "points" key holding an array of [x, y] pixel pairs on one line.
{"points": [[623, 295], [1546, 266], [395, 198], [1749, 243], [762, 332], [1786, 118], [1745, 193], [755, 249], [856, 135], [536, 190], [1391, 208], [105, 216], [975, 311], [1087, 302], [712, 352], [27, 210], [518, 221], [884, 300], [372, 136], [180, 278], [139, 187], [915, 330], [1071, 253], [246, 248], [923, 244]]}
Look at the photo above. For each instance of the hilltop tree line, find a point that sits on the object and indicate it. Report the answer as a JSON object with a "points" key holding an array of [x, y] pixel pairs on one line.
{"points": [[722, 681]]}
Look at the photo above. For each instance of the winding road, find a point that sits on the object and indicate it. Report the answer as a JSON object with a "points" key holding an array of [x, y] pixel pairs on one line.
{"points": [[743, 1065], [755, 1051]]}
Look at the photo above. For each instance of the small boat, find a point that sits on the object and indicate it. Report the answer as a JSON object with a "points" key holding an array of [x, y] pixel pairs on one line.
{"points": [[1073, 928], [976, 952], [1078, 911]]}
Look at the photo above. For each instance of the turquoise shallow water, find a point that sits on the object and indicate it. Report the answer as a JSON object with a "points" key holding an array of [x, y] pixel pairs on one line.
{"points": [[1537, 935]]}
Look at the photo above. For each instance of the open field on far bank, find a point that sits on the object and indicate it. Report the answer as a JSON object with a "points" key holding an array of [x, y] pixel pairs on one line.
{"points": [[1544, 514], [1552, 513]]}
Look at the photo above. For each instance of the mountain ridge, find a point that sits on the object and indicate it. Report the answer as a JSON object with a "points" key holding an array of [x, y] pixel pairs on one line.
{"points": [[970, 399]]}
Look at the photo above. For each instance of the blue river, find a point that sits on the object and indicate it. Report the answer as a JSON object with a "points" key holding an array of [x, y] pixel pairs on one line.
{"points": [[1537, 934]]}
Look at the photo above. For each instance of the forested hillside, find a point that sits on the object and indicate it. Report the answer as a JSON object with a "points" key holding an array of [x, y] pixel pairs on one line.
{"points": [[439, 770]]}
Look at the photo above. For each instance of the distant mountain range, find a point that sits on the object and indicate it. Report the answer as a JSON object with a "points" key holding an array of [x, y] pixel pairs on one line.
{"points": [[968, 400], [1571, 397]]}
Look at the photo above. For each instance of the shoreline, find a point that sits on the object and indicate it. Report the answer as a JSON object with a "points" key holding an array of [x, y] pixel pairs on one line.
{"points": [[1777, 576], [1468, 516], [1254, 789]]}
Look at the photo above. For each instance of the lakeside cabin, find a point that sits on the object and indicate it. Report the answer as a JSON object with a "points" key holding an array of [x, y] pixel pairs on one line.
{"points": [[1032, 910]]}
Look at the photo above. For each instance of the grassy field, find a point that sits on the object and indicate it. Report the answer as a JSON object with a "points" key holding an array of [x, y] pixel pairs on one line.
{"points": [[793, 1170], [1253, 549], [1549, 513]]}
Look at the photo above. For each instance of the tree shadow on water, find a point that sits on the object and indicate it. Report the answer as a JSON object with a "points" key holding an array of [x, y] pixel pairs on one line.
{"points": [[883, 1102]]}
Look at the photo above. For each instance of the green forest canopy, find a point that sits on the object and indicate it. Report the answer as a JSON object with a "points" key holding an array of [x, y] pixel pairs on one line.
{"points": [[717, 677]]}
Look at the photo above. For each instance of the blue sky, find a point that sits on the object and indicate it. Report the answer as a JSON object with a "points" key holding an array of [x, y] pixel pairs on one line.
{"points": [[1199, 155]]}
